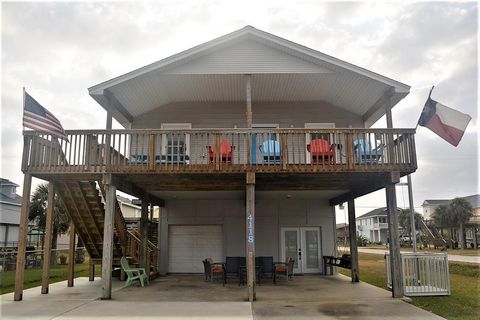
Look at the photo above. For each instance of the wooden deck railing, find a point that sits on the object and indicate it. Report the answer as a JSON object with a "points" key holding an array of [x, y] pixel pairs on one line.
{"points": [[215, 150]]}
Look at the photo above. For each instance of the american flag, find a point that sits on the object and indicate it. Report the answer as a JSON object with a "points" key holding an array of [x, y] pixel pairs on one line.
{"points": [[38, 118]]}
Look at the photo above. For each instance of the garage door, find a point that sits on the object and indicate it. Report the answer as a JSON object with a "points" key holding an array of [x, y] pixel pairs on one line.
{"points": [[189, 245]]}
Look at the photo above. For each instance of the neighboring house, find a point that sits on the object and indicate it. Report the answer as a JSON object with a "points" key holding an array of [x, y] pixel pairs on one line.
{"points": [[472, 228], [343, 236], [247, 142], [10, 205], [129, 210], [373, 225]]}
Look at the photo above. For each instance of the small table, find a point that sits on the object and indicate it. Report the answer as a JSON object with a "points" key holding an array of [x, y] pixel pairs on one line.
{"points": [[243, 274]]}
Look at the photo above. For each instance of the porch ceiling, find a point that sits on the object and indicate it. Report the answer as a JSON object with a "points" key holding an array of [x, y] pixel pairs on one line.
{"points": [[267, 186]]}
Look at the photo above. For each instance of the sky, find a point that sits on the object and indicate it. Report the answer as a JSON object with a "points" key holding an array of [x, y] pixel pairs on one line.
{"points": [[59, 49]]}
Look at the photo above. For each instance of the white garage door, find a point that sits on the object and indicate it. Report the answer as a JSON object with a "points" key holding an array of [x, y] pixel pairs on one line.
{"points": [[189, 245]]}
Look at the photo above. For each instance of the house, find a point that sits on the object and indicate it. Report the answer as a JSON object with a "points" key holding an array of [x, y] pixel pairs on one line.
{"points": [[10, 204], [246, 142], [472, 229], [373, 225], [343, 236]]}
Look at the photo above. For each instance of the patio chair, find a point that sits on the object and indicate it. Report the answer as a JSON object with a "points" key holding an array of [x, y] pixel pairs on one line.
{"points": [[134, 273], [267, 268], [364, 153], [221, 151], [321, 151], [214, 270], [283, 269], [271, 151], [232, 267]]}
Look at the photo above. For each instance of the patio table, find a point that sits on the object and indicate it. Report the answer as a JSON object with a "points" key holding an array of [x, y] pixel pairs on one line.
{"points": [[243, 274]]}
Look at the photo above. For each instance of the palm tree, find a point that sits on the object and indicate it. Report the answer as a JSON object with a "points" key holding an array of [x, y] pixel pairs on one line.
{"points": [[404, 220], [454, 215], [461, 211], [38, 210]]}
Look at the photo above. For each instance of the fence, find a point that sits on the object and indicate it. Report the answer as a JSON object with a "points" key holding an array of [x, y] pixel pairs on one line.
{"points": [[34, 258], [424, 274]]}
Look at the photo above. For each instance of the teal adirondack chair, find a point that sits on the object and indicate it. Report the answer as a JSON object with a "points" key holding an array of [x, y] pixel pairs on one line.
{"points": [[134, 273]]}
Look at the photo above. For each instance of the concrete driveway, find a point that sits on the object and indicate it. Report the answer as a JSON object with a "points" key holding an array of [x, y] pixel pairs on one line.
{"points": [[451, 257], [190, 297]]}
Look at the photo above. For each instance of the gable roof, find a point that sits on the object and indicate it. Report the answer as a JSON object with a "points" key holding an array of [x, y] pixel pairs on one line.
{"points": [[281, 70], [377, 212], [474, 200]]}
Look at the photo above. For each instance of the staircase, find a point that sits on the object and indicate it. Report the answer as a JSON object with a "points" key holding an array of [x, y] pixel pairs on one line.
{"points": [[84, 205], [433, 234]]}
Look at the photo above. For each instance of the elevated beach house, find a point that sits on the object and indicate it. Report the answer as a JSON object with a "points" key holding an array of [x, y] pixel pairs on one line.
{"points": [[245, 142]]}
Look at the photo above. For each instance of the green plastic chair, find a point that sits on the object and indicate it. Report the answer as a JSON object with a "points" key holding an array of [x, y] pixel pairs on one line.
{"points": [[134, 273]]}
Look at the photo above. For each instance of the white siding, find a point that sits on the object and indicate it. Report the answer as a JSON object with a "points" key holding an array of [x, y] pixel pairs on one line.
{"points": [[271, 215]]}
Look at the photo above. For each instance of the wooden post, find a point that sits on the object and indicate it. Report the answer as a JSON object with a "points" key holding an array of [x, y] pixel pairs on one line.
{"points": [[250, 234], [22, 238], [47, 249], [159, 239], [71, 257], [107, 255], [352, 230], [163, 245], [144, 235], [151, 212], [388, 111], [108, 125], [394, 243], [249, 101], [91, 271]]}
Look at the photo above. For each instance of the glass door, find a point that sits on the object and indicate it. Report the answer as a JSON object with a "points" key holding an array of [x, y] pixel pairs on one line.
{"points": [[311, 255], [291, 247], [303, 245]]}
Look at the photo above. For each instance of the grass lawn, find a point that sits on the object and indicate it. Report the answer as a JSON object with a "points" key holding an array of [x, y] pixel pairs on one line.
{"points": [[33, 277], [463, 303]]}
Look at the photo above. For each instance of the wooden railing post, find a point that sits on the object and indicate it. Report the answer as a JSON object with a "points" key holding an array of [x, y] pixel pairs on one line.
{"points": [[151, 152], [350, 150]]}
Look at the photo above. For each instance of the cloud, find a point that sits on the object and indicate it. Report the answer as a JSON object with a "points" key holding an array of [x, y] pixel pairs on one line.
{"points": [[57, 50]]}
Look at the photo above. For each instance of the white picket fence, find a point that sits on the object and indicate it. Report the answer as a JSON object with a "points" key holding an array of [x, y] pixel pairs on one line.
{"points": [[424, 274]]}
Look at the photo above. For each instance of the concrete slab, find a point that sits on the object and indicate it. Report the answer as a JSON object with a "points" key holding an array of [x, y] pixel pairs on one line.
{"points": [[331, 297], [191, 297], [60, 299], [160, 310]]}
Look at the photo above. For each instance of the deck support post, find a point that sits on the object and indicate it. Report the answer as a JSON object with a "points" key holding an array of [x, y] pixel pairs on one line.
{"points": [[22, 238], [47, 249], [107, 252], [474, 229], [163, 242], [352, 232], [394, 243], [71, 256], [144, 236], [91, 271], [250, 235]]}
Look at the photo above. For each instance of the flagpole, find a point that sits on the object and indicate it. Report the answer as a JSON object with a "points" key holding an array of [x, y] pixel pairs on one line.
{"points": [[23, 108]]}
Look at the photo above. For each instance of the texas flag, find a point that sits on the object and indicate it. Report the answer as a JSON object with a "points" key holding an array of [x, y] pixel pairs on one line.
{"points": [[448, 123]]}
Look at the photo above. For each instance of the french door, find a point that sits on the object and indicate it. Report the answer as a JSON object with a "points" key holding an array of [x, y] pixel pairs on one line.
{"points": [[302, 244]]}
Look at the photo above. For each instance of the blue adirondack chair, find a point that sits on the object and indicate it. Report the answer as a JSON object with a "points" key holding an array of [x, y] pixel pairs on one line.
{"points": [[365, 154], [271, 151]]}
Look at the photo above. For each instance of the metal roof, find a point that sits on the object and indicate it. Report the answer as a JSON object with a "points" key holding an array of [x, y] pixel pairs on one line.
{"points": [[281, 71]]}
